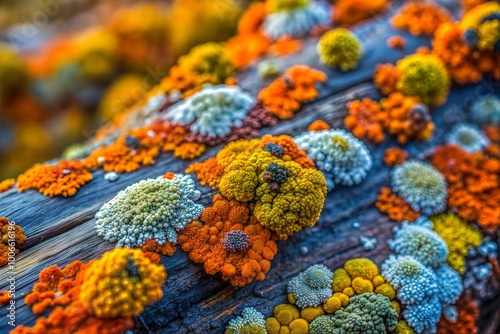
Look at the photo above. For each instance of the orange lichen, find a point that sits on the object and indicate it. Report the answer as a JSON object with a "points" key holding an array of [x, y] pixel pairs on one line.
{"points": [[285, 46], [395, 156], [396, 42], [348, 12], [76, 319], [12, 236], [252, 18], [293, 152], [208, 172], [318, 125], [243, 49], [473, 184], [151, 245], [364, 119], [463, 63], [4, 297], [7, 184], [188, 151], [385, 78], [420, 18], [61, 179], [405, 118], [203, 242], [56, 287], [284, 96], [394, 206], [466, 319]]}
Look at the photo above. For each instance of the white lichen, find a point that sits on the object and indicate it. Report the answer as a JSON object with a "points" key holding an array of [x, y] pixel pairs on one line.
{"points": [[469, 137]]}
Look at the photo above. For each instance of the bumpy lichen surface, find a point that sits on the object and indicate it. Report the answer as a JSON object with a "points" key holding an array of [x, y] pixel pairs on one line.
{"points": [[208, 241], [149, 209], [287, 319], [213, 111], [424, 76], [11, 237], [339, 48], [311, 287], [293, 18], [394, 206], [459, 235], [209, 59], [121, 283], [366, 313], [340, 156], [250, 321], [418, 240], [421, 186], [468, 137], [480, 26]]}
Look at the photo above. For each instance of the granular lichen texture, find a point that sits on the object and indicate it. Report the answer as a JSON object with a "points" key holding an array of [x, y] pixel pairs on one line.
{"points": [[63, 178], [340, 49], [149, 209], [208, 241], [12, 235]]}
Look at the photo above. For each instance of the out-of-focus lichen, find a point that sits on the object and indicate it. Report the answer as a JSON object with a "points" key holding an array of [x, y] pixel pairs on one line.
{"points": [[394, 156], [284, 96], [424, 76], [12, 235], [341, 157], [468, 137], [213, 111], [481, 26], [293, 18], [339, 48], [465, 323], [385, 78], [364, 119], [204, 241], [63, 178], [348, 12], [149, 209], [421, 186], [485, 110], [420, 18], [7, 184]]}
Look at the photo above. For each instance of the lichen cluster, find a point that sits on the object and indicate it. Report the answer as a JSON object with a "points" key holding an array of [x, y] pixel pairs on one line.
{"points": [[149, 209]]}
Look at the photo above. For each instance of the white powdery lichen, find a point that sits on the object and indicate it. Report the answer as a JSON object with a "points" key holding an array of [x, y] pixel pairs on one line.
{"points": [[421, 186], [213, 111], [149, 209], [341, 157], [485, 110], [297, 22], [468, 137]]}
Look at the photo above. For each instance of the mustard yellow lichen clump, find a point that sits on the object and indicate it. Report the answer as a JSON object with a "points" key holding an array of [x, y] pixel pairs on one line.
{"points": [[276, 6], [339, 48], [287, 319], [425, 77], [210, 59], [459, 236], [121, 283]]}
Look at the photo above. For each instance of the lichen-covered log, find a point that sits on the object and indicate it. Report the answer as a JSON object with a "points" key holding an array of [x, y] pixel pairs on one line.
{"points": [[61, 230]]}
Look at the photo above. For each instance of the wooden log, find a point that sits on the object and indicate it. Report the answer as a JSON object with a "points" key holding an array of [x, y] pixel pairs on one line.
{"points": [[60, 230]]}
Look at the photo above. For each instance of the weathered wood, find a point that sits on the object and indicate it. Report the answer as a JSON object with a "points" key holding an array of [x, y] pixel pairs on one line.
{"points": [[61, 230]]}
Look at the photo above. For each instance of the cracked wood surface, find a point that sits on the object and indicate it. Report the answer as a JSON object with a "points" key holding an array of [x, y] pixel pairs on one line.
{"points": [[60, 230]]}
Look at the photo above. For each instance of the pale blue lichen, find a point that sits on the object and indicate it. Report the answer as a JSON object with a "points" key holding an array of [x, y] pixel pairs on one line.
{"points": [[311, 287], [413, 281], [296, 22], [250, 321], [469, 137], [421, 186], [149, 209], [423, 317], [421, 242], [213, 111], [485, 110], [450, 285], [341, 157]]}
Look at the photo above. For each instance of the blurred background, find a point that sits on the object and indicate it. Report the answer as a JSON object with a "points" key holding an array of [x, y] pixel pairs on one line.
{"points": [[68, 66]]}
